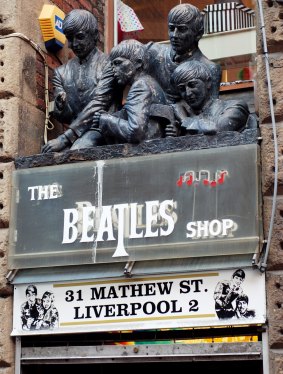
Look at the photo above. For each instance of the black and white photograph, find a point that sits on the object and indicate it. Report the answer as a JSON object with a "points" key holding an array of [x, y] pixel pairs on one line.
{"points": [[39, 313], [230, 299]]}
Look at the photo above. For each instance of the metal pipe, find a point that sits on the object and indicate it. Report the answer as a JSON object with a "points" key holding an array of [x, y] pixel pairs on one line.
{"points": [[265, 352], [115, 22], [18, 353]]}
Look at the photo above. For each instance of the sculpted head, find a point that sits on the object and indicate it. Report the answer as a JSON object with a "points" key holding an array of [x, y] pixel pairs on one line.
{"points": [[80, 28], [127, 59], [193, 81], [185, 27]]}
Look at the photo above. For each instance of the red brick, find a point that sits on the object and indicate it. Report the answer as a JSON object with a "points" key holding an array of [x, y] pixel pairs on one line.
{"points": [[40, 104], [86, 5], [67, 8], [40, 80], [59, 3]]}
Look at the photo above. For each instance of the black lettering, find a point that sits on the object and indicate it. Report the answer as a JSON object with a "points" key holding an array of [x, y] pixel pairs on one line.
{"points": [[149, 289], [136, 290], [77, 316], [165, 305], [88, 307], [150, 304], [124, 288], [194, 306], [135, 307], [112, 293], [164, 287], [69, 296], [79, 298], [174, 307], [122, 310], [110, 310], [97, 310], [196, 282], [184, 286], [96, 295]]}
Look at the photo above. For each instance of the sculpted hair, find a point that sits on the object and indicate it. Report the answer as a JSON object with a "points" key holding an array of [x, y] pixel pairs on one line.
{"points": [[130, 49], [188, 14], [79, 19], [191, 70]]}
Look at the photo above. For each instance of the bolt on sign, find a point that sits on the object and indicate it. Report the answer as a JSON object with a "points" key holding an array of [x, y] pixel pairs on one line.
{"points": [[229, 297], [182, 204]]}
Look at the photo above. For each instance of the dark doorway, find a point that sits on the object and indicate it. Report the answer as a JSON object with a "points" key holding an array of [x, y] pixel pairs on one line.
{"points": [[211, 367]]}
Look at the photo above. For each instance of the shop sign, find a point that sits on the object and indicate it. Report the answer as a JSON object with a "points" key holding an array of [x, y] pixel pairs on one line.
{"points": [[228, 297], [184, 204]]}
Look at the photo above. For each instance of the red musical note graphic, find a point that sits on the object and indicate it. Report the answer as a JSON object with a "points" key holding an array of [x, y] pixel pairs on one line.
{"points": [[192, 178]]}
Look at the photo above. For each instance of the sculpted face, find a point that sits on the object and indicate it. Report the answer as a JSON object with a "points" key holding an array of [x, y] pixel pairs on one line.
{"points": [[124, 70], [182, 38], [194, 92], [81, 42]]}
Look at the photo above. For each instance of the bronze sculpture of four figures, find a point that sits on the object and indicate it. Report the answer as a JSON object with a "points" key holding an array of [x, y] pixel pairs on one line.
{"points": [[173, 90]]}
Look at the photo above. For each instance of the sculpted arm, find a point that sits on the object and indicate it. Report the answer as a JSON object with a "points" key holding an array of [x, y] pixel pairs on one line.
{"points": [[234, 117], [102, 101], [132, 129], [62, 110], [82, 123]]}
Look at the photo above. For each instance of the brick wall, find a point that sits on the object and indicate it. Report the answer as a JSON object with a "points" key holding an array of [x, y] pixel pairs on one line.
{"points": [[22, 114], [273, 18], [22, 110]]}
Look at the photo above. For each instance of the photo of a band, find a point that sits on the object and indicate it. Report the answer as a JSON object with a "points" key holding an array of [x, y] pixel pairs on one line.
{"points": [[230, 299], [39, 313]]}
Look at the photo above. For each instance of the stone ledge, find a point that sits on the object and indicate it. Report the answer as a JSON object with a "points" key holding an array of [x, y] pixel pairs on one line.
{"points": [[157, 146]]}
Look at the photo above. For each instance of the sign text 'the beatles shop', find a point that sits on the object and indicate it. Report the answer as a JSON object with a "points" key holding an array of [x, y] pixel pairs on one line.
{"points": [[183, 204]]}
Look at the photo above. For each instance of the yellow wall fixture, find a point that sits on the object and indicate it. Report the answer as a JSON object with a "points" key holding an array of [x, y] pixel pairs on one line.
{"points": [[51, 21]]}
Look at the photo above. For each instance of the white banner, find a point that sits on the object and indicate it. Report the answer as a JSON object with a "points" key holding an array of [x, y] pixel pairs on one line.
{"points": [[230, 297]]}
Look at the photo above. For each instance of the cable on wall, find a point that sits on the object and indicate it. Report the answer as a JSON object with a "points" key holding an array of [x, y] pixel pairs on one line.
{"points": [[48, 125], [263, 262]]}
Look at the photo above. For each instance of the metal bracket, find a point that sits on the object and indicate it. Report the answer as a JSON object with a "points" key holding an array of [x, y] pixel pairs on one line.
{"points": [[128, 269], [11, 275]]}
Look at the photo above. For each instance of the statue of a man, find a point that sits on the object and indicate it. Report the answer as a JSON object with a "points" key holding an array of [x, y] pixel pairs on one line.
{"points": [[75, 82], [134, 123], [185, 29], [200, 112]]}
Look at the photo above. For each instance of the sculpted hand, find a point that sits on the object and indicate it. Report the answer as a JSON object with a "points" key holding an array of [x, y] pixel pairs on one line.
{"points": [[56, 145], [96, 118], [61, 100], [170, 130], [192, 125], [197, 125]]}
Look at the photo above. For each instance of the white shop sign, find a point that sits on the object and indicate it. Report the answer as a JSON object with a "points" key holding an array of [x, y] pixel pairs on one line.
{"points": [[230, 297]]}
